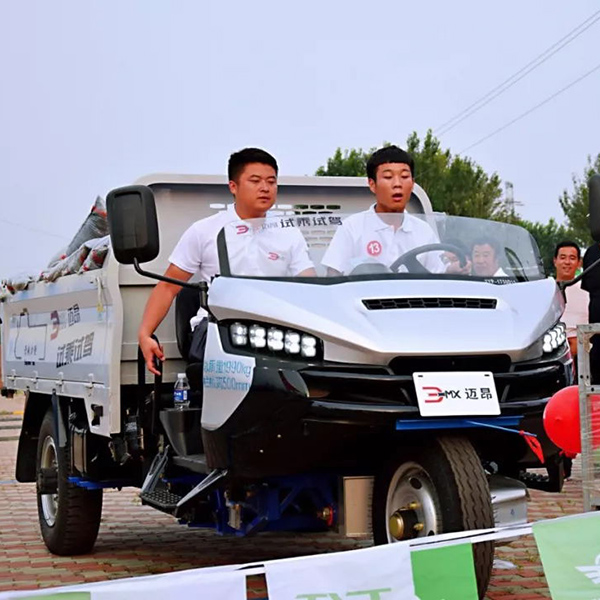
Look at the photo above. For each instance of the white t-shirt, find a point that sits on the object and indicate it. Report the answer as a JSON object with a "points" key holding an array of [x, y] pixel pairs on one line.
{"points": [[576, 310], [367, 237], [270, 252], [266, 251], [196, 250]]}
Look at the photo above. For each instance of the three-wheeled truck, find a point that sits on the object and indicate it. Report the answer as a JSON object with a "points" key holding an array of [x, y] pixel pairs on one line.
{"points": [[386, 399]]}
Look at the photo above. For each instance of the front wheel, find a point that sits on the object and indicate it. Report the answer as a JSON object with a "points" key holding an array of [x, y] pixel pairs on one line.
{"points": [[69, 515], [435, 488]]}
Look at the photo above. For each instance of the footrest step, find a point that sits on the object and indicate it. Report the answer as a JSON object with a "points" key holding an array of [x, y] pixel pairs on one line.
{"points": [[161, 499]]}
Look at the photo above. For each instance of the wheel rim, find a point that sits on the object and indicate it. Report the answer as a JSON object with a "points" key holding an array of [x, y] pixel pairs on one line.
{"points": [[48, 460], [412, 491]]}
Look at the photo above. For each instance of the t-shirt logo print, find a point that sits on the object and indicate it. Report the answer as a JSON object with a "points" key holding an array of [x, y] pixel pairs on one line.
{"points": [[273, 256], [242, 229], [374, 248]]}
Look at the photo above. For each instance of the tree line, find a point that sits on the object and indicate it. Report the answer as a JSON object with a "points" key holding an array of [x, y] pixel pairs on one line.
{"points": [[459, 186]]}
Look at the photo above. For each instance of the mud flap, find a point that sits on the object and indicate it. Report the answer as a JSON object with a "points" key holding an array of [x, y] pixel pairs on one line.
{"points": [[59, 423]]}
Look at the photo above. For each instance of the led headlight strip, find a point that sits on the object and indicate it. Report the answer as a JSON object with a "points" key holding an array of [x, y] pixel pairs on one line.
{"points": [[554, 338], [274, 339]]}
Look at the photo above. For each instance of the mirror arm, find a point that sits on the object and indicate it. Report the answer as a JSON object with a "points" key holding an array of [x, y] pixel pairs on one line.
{"points": [[565, 284], [201, 286]]}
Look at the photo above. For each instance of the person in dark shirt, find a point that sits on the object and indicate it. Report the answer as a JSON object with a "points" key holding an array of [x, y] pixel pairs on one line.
{"points": [[591, 284]]}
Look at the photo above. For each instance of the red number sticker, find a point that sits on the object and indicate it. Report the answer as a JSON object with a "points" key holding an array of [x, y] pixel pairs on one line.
{"points": [[374, 248]]}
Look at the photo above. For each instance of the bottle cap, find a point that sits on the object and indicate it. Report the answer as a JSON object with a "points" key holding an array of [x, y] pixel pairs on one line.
{"points": [[181, 375]]}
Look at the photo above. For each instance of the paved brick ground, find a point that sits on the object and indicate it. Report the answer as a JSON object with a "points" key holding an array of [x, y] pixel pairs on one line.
{"points": [[136, 540]]}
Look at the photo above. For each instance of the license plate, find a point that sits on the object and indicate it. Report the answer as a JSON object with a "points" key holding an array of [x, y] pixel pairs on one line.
{"points": [[455, 394]]}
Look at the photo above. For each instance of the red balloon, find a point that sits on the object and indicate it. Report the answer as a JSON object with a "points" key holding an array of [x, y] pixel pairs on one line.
{"points": [[561, 419]]}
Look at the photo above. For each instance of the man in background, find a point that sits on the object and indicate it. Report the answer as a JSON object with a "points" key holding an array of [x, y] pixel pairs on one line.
{"points": [[567, 259], [485, 254]]}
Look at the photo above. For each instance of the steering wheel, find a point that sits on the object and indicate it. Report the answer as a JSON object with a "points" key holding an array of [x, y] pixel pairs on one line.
{"points": [[409, 259]]}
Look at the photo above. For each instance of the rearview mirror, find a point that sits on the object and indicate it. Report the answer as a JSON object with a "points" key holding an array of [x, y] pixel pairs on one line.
{"points": [[594, 203], [132, 224]]}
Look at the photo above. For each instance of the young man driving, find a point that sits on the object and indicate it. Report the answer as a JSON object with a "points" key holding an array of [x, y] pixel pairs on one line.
{"points": [[253, 183], [385, 231]]}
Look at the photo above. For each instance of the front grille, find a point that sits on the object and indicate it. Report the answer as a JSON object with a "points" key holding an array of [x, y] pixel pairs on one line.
{"points": [[393, 385], [407, 365], [391, 303]]}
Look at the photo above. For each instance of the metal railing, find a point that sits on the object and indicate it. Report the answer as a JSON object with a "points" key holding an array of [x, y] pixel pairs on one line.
{"points": [[589, 411]]}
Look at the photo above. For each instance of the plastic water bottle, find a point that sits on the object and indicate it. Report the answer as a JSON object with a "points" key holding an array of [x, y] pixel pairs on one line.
{"points": [[181, 392]]}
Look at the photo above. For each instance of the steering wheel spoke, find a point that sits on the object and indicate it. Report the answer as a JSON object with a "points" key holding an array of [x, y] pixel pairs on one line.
{"points": [[413, 265]]}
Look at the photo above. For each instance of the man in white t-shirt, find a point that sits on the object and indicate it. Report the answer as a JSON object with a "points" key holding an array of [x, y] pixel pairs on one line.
{"points": [[567, 259], [385, 231], [252, 251]]}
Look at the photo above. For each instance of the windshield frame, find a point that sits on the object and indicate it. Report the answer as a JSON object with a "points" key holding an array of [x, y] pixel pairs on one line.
{"points": [[225, 267]]}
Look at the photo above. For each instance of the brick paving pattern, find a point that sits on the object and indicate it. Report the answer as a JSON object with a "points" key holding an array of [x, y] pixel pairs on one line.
{"points": [[137, 540]]}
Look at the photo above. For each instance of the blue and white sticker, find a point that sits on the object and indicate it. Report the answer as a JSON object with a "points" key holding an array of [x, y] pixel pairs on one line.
{"points": [[226, 380]]}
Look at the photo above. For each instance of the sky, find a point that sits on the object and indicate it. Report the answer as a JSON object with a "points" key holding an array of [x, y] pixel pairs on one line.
{"points": [[98, 93]]}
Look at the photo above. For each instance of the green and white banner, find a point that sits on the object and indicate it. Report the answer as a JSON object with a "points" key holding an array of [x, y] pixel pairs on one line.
{"points": [[217, 584], [380, 573], [570, 552], [433, 568], [445, 573], [66, 596]]}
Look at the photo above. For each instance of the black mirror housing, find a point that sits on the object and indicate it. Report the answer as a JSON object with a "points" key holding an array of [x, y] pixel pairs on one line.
{"points": [[132, 224], [594, 200]]}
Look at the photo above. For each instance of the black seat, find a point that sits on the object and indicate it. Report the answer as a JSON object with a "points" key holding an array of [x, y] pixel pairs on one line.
{"points": [[187, 304]]}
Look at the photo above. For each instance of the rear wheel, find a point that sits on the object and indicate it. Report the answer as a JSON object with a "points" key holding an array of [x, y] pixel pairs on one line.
{"points": [[69, 515], [434, 489]]}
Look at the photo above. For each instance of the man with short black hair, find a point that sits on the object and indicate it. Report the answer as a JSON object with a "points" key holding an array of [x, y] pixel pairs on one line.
{"points": [[385, 231], [239, 160], [567, 259], [253, 184], [485, 253], [386, 156]]}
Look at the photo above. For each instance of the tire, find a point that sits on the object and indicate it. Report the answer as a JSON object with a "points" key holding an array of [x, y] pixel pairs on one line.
{"points": [[69, 519], [447, 481]]}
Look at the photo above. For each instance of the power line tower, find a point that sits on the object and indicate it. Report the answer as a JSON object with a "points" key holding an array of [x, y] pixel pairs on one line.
{"points": [[509, 198]]}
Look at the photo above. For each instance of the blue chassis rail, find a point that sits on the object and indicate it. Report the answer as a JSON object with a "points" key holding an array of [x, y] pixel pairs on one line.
{"points": [[273, 507], [502, 423]]}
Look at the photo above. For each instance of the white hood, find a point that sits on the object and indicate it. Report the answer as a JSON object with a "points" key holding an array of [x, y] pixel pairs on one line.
{"points": [[352, 333]]}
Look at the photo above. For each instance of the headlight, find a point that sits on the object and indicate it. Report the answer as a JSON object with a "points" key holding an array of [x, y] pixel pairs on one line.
{"points": [[239, 334], [554, 338], [292, 342], [274, 339], [257, 336], [308, 347]]}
